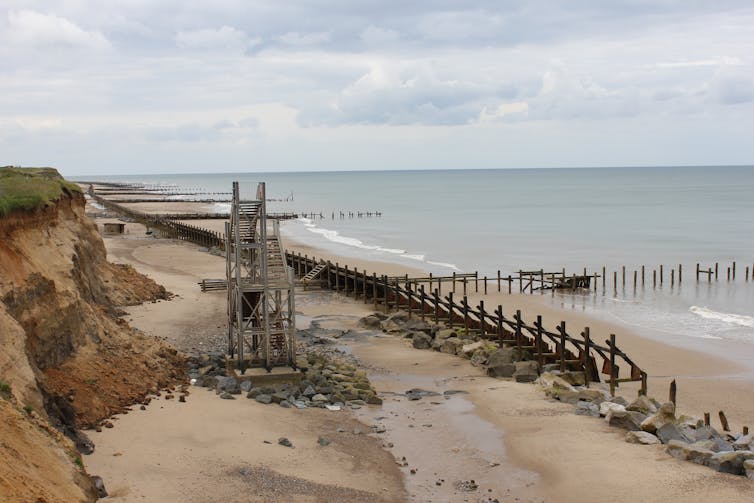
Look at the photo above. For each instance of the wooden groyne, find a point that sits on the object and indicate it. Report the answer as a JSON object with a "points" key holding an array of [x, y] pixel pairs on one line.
{"points": [[560, 347]]}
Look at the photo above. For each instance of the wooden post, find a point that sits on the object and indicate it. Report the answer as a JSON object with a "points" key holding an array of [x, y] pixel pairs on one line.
{"points": [[746, 276], [623, 275], [615, 280], [706, 419], [465, 315], [612, 365], [728, 273], [654, 278], [661, 275], [538, 342], [364, 278], [482, 320], [723, 421], [374, 289], [642, 276], [520, 281], [562, 346], [397, 296], [745, 430], [476, 279], [499, 320], [734, 270], [603, 279], [498, 280], [451, 304], [464, 285], [709, 276], [439, 285], [408, 292], [345, 280], [437, 306], [716, 271], [672, 392], [680, 273], [635, 274], [485, 285], [510, 283], [423, 299], [337, 277], [430, 282], [518, 331], [454, 282], [552, 290], [385, 292], [697, 272], [587, 361]]}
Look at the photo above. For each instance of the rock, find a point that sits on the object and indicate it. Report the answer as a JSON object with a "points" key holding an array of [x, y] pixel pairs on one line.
{"points": [[501, 369], [749, 468], [285, 404], [371, 321], [319, 397], [227, 396], [468, 350], [445, 333], [300, 404], [451, 346], [642, 404], [253, 392], [280, 396], [83, 443], [228, 384], [619, 400], [245, 386], [641, 437], [574, 378], [730, 462], [549, 381], [526, 371], [664, 415], [622, 419], [374, 400], [689, 452], [479, 358], [592, 395], [309, 392], [671, 431], [285, 442], [584, 408], [606, 407], [420, 340], [418, 393], [323, 441], [744, 443], [99, 485], [263, 398]]}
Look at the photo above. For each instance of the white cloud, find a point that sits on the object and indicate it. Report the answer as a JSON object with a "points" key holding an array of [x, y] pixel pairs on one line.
{"points": [[374, 35], [304, 39], [223, 38], [31, 28]]}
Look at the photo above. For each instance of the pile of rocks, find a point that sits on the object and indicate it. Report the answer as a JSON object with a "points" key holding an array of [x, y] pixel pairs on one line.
{"points": [[326, 382], [649, 422], [499, 361]]}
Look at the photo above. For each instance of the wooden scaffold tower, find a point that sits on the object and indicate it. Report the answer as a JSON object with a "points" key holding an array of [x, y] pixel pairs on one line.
{"points": [[261, 311]]}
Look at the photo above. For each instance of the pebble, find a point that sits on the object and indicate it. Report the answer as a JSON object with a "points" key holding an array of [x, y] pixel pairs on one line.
{"points": [[323, 441], [285, 442]]}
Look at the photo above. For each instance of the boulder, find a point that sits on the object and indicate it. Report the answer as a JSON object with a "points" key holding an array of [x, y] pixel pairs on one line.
{"points": [[372, 321], [309, 391], [607, 407], [526, 371], [280, 396], [574, 378], [619, 400], [671, 431], [549, 380], [689, 452], [468, 350], [245, 386], [501, 369], [584, 408], [263, 398], [664, 415], [744, 443], [445, 333], [622, 419], [730, 462], [592, 395], [749, 468], [227, 384], [319, 398], [479, 358], [451, 346], [641, 437]]}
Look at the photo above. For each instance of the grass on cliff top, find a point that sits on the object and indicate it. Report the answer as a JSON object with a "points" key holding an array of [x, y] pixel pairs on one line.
{"points": [[27, 189]]}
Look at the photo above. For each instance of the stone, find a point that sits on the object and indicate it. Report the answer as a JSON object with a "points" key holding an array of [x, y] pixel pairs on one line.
{"points": [[730, 462], [526, 371], [622, 419], [749, 468], [371, 321], [671, 431], [279, 396], [744, 443], [228, 384], [83, 443], [479, 358], [285, 442], [549, 381], [584, 408], [319, 398], [689, 452], [418, 393], [420, 340], [468, 350], [619, 400], [592, 395], [309, 391], [451, 346], [445, 333], [245, 386], [227, 396], [606, 407], [574, 378], [263, 398], [501, 369], [323, 441], [300, 404], [665, 414], [253, 392], [99, 485], [641, 437], [642, 404], [285, 404]]}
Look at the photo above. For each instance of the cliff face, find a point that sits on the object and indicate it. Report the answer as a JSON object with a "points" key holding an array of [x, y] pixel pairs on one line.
{"points": [[67, 356]]}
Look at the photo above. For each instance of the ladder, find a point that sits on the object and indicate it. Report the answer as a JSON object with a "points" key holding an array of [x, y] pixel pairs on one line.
{"points": [[314, 272]]}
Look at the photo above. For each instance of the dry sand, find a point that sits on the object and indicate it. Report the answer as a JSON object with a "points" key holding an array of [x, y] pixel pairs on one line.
{"points": [[505, 436]]}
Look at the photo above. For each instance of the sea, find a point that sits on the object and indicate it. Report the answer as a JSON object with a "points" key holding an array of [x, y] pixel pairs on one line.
{"points": [[508, 220]]}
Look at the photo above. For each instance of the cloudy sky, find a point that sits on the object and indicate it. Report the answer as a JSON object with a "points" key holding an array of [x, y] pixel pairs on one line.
{"points": [[140, 86]]}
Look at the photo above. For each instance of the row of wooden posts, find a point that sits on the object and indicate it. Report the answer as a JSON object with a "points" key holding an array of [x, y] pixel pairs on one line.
{"points": [[560, 347], [342, 214]]}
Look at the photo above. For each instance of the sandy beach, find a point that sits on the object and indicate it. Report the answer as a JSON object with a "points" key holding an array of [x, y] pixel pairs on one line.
{"points": [[506, 437]]}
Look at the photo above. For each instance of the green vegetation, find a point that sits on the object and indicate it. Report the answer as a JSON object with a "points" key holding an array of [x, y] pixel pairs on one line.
{"points": [[4, 390], [31, 188], [78, 462], [27, 409]]}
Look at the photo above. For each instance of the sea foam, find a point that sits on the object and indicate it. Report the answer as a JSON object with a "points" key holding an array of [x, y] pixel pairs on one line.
{"points": [[733, 319]]}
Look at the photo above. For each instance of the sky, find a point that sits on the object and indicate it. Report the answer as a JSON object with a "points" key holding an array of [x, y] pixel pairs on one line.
{"points": [[180, 86]]}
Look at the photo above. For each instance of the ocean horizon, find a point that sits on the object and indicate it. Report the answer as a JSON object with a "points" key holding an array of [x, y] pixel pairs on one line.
{"points": [[487, 220]]}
